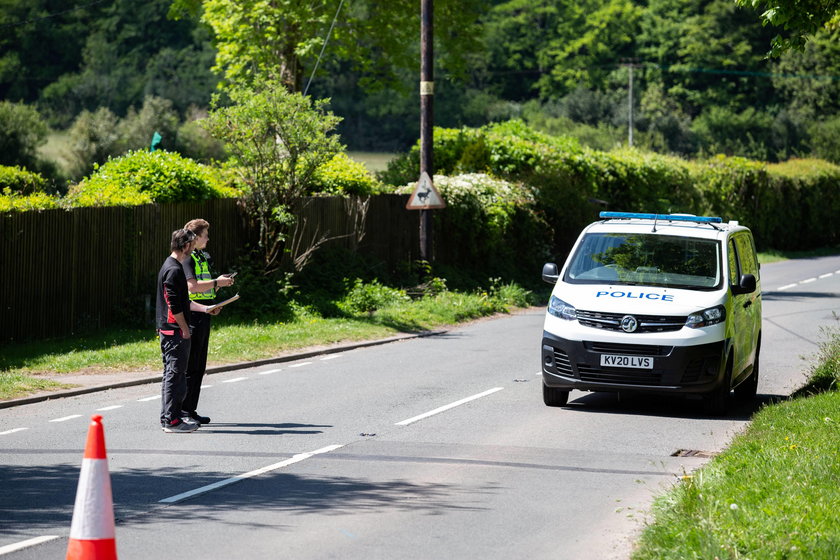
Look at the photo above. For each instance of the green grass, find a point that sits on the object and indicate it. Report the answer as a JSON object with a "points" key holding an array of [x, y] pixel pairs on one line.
{"points": [[374, 161], [232, 341], [773, 494], [771, 255]]}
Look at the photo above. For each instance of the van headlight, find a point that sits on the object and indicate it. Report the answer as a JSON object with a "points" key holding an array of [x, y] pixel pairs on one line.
{"points": [[706, 318], [561, 309]]}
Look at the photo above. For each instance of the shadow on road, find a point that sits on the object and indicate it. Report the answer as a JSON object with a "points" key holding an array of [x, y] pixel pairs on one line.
{"points": [[675, 406]]}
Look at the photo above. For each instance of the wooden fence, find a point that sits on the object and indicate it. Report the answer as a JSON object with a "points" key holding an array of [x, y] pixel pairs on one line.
{"points": [[62, 271]]}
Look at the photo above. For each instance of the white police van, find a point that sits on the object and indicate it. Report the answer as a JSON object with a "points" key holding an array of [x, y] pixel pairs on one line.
{"points": [[658, 303]]}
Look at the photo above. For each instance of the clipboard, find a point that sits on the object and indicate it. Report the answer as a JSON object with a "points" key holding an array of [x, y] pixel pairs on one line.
{"points": [[222, 303]]}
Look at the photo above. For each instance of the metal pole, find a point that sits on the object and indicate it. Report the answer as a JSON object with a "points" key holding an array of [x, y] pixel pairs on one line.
{"points": [[630, 101], [427, 91]]}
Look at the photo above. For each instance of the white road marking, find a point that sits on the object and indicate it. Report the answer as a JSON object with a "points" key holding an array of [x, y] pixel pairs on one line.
{"points": [[268, 372], [821, 276], [14, 547], [204, 489], [787, 286], [7, 432], [808, 281], [144, 399], [113, 407], [234, 380], [205, 386], [66, 418], [448, 406], [332, 357], [300, 365]]}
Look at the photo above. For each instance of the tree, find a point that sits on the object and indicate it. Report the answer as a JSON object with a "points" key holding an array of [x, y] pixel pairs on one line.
{"points": [[800, 18], [277, 140], [563, 45], [278, 40]]}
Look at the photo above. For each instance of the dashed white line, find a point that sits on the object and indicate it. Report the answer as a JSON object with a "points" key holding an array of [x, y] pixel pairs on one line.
{"points": [[145, 399], [113, 407], [7, 432], [821, 276], [234, 380], [300, 365], [205, 386], [448, 406], [14, 547], [268, 372], [331, 357], [787, 286], [66, 418], [295, 459], [808, 281]]}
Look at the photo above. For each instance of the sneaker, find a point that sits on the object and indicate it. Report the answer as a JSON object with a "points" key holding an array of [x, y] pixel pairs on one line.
{"points": [[199, 418], [178, 426]]}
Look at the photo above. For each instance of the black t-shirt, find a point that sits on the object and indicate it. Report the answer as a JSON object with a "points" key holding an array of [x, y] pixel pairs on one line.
{"points": [[172, 295]]}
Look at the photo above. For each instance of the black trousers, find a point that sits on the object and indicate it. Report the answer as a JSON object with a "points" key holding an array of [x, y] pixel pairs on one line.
{"points": [[175, 351], [200, 327]]}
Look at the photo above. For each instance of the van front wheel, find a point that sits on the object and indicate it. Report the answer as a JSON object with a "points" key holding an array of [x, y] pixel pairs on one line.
{"points": [[554, 397], [717, 401]]}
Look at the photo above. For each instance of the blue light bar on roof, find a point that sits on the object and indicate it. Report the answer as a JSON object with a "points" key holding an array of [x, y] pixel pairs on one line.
{"points": [[662, 217]]}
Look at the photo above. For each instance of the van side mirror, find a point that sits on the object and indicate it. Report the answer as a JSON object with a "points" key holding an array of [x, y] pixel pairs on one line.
{"points": [[746, 286], [550, 273]]}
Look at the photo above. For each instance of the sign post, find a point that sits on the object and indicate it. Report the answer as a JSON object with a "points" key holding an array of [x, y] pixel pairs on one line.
{"points": [[427, 92]]}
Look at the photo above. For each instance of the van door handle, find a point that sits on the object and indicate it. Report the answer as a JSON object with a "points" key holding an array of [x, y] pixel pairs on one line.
{"points": [[747, 304]]}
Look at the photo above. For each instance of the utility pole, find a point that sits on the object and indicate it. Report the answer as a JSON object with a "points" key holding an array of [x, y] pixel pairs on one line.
{"points": [[630, 63], [427, 92]]}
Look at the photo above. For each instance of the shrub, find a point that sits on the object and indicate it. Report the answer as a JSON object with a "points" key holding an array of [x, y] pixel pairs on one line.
{"points": [[20, 181], [22, 130], [11, 201], [93, 139], [367, 297], [141, 177], [343, 176], [825, 139], [136, 129]]}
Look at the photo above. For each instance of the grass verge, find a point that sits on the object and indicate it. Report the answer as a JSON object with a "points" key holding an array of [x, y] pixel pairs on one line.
{"points": [[773, 494], [23, 365]]}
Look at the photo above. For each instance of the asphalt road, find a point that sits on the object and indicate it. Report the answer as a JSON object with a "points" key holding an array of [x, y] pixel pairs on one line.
{"points": [[437, 447]]}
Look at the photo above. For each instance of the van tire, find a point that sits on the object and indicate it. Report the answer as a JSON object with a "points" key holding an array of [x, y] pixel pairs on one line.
{"points": [[554, 397], [748, 389], [716, 402]]}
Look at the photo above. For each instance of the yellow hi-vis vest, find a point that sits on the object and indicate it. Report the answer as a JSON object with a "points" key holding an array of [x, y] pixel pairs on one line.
{"points": [[202, 272]]}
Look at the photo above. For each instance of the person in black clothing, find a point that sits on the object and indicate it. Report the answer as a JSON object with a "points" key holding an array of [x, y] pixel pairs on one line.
{"points": [[202, 288], [173, 309]]}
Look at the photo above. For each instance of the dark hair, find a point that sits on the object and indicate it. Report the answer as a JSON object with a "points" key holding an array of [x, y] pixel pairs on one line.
{"points": [[180, 239]]}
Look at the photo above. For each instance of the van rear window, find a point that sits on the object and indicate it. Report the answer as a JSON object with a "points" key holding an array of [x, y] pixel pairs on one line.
{"points": [[646, 259]]}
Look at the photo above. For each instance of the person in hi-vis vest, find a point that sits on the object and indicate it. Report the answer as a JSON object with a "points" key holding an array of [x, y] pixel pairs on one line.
{"points": [[202, 288]]}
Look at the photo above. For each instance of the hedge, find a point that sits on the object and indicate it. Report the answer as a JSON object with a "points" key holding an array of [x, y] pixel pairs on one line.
{"points": [[791, 205]]}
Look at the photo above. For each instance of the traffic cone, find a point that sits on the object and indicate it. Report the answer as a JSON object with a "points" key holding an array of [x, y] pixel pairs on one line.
{"points": [[92, 534]]}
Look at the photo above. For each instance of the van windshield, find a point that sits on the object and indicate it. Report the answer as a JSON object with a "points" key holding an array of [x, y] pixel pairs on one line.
{"points": [[646, 259]]}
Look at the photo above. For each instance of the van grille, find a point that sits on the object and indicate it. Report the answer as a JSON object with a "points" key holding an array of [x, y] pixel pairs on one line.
{"points": [[629, 349], [598, 375], [562, 363], [647, 323]]}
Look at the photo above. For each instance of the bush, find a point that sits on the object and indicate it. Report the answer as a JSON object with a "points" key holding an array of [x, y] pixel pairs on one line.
{"points": [[343, 176], [22, 131], [142, 177], [136, 129], [11, 201], [367, 297], [20, 180], [93, 139], [825, 139]]}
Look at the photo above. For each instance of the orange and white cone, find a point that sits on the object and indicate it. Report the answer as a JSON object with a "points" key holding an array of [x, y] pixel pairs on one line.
{"points": [[92, 534]]}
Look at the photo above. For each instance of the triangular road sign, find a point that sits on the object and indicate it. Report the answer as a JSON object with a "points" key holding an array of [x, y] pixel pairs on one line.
{"points": [[425, 195]]}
